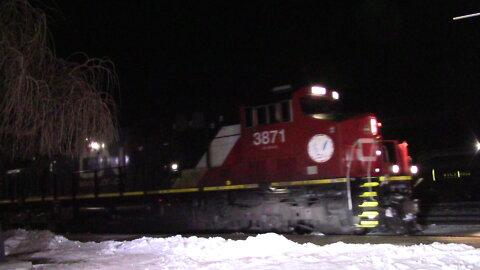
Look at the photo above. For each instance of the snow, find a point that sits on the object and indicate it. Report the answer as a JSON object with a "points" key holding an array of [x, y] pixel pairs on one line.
{"points": [[262, 252]]}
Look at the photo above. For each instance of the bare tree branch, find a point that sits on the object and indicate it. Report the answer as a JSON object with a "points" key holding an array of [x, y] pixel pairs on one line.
{"points": [[48, 106]]}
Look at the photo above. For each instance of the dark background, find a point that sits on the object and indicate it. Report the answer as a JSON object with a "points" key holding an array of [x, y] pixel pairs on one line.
{"points": [[406, 61]]}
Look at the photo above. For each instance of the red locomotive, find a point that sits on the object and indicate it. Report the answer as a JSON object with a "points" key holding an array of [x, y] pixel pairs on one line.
{"points": [[317, 169], [292, 164]]}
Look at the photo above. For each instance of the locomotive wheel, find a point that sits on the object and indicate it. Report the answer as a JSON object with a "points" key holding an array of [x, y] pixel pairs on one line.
{"points": [[303, 228], [394, 221], [360, 231]]}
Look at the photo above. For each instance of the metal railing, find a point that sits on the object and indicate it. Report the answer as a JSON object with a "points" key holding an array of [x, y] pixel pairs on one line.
{"points": [[28, 184]]}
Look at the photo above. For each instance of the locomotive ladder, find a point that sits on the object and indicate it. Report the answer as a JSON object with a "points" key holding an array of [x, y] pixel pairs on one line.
{"points": [[369, 211]]}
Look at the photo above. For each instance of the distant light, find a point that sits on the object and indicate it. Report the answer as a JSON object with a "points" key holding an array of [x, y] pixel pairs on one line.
{"points": [[335, 95], [94, 145], [379, 124], [319, 90], [377, 170], [378, 152], [395, 169], [174, 167], [15, 171], [373, 126], [478, 146], [466, 16], [127, 160], [414, 169]]}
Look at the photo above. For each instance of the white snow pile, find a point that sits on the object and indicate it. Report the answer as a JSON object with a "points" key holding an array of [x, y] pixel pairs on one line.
{"points": [[22, 241], [262, 252]]}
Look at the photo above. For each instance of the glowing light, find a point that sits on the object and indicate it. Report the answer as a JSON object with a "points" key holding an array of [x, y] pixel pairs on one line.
{"points": [[335, 95], [466, 16], [379, 124], [373, 126], [318, 90], [94, 145], [414, 169], [477, 145], [377, 170], [174, 167], [378, 153], [395, 169]]}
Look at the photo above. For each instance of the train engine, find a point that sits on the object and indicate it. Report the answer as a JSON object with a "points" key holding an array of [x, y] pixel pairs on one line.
{"points": [[297, 164]]}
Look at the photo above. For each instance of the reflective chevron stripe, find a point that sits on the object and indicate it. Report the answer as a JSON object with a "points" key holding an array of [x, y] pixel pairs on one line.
{"points": [[396, 178]]}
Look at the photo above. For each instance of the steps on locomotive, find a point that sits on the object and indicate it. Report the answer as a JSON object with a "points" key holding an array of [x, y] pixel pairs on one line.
{"points": [[367, 205]]}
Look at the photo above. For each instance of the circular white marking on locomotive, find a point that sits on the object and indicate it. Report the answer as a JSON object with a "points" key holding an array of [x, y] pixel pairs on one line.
{"points": [[320, 148]]}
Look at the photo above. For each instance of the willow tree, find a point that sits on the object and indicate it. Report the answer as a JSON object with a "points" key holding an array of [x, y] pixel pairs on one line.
{"points": [[48, 105]]}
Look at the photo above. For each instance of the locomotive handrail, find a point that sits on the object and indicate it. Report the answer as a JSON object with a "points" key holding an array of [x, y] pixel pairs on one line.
{"points": [[350, 160], [349, 167], [369, 166]]}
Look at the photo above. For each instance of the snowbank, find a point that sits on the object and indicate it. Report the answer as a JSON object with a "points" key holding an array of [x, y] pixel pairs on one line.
{"points": [[265, 251]]}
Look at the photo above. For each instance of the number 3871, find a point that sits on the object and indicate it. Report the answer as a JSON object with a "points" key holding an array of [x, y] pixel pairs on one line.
{"points": [[269, 137]]}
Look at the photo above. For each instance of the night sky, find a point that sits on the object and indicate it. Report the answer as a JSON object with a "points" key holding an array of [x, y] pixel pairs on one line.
{"points": [[406, 61]]}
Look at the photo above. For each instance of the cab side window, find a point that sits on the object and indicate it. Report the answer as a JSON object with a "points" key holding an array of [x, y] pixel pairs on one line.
{"points": [[286, 111], [268, 114]]}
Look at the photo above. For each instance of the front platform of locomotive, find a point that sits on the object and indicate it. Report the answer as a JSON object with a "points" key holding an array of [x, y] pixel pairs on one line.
{"points": [[378, 172]]}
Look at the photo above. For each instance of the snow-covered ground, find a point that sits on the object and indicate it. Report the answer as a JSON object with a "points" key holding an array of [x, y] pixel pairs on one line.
{"points": [[265, 251]]}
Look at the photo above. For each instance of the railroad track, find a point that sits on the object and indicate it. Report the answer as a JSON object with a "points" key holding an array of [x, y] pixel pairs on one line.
{"points": [[450, 213]]}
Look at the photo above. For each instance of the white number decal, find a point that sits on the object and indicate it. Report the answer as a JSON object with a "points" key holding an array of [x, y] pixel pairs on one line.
{"points": [[268, 137], [257, 139]]}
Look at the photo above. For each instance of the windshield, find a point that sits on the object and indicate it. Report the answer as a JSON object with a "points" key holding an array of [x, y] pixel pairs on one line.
{"points": [[313, 106]]}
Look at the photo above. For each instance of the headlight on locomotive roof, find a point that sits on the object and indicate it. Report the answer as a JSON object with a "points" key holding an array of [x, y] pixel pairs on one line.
{"points": [[319, 90]]}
